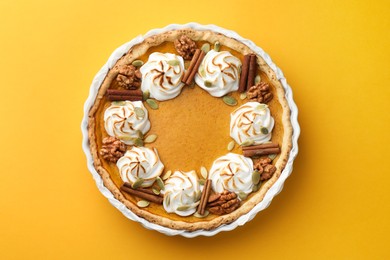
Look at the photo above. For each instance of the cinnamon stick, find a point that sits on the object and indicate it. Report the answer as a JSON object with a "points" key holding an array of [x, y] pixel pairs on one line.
{"points": [[192, 65], [123, 98], [124, 92], [195, 68], [244, 74], [146, 196], [259, 152], [252, 71], [205, 197], [260, 146], [128, 185]]}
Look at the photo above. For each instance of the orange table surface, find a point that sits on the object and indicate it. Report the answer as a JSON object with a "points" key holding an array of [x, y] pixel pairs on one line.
{"points": [[334, 54]]}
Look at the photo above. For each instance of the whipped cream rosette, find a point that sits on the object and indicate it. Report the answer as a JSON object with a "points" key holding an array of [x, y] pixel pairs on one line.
{"points": [[232, 172], [219, 73], [182, 193], [140, 163], [162, 74], [251, 122], [122, 121]]}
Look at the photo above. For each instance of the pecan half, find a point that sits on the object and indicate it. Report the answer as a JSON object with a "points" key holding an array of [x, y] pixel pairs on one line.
{"points": [[223, 203], [129, 77], [260, 93], [264, 167], [185, 47], [112, 149]]}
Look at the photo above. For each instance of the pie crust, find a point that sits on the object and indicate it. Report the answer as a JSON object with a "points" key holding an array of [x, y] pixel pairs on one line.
{"points": [[247, 205]]}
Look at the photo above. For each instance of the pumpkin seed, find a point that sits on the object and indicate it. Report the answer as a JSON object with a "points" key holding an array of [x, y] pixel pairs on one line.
{"points": [[197, 215], [156, 191], [257, 79], [137, 183], [242, 195], [126, 138], [203, 172], [205, 47], [138, 142], [150, 139], [167, 200], [217, 46], [229, 100], [143, 203], [137, 63], [201, 181], [166, 175], [231, 145], [261, 107], [192, 84], [208, 84], [264, 130], [160, 183], [173, 62], [140, 134], [272, 156], [118, 103], [198, 195], [243, 96], [145, 95], [152, 103], [256, 187], [202, 72], [256, 177], [247, 142], [139, 112], [183, 208]]}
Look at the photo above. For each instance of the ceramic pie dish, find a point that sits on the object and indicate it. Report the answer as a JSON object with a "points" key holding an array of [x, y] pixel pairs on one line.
{"points": [[190, 130]]}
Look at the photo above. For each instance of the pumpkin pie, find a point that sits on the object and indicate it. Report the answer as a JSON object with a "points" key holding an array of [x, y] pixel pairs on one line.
{"points": [[190, 129]]}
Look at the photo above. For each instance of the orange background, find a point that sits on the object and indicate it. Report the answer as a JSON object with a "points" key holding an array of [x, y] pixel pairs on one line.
{"points": [[334, 54]]}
